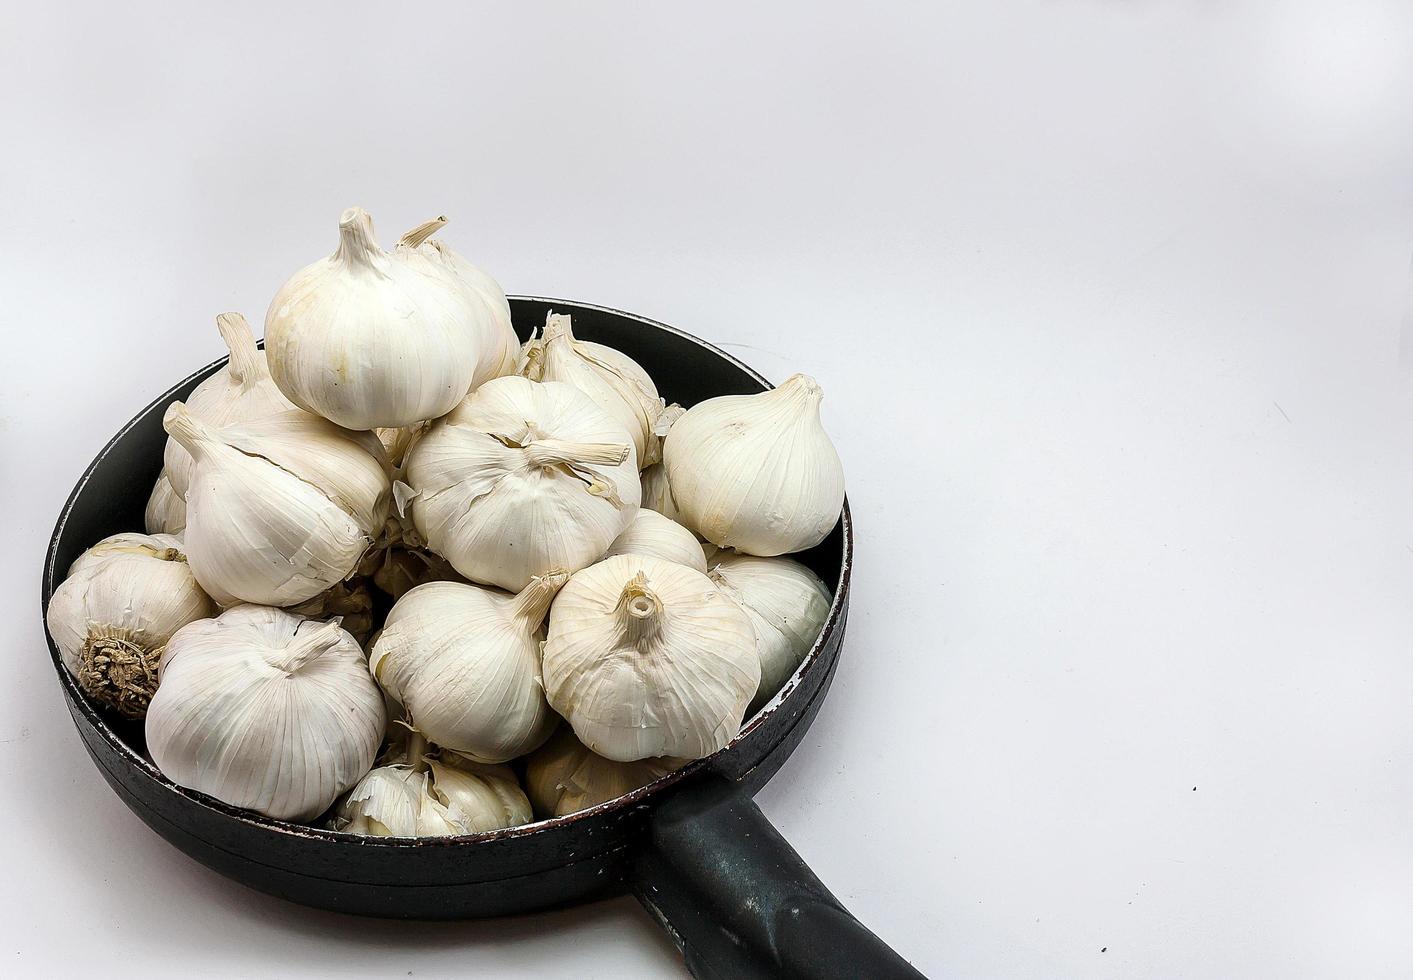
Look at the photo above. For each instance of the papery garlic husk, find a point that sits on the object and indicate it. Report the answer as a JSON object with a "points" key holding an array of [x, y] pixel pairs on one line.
{"points": [[433, 797], [657, 495], [652, 534], [265, 710], [166, 511], [279, 508], [351, 602], [563, 776], [367, 340], [239, 392], [648, 658], [610, 377], [757, 472], [403, 569], [463, 660], [116, 611], [521, 479], [787, 605], [496, 341]]}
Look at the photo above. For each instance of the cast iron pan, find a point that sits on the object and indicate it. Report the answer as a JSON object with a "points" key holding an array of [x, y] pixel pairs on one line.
{"points": [[692, 846]]}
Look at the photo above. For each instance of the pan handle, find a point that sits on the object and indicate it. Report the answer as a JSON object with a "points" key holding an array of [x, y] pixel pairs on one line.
{"points": [[740, 902]]}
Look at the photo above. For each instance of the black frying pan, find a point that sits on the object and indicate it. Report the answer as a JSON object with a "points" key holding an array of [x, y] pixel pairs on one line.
{"points": [[692, 846]]}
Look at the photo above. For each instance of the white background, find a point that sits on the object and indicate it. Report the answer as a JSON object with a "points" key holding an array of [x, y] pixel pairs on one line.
{"points": [[1110, 303]]}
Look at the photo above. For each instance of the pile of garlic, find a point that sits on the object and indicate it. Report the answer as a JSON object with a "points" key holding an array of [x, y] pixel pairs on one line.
{"points": [[400, 569]]}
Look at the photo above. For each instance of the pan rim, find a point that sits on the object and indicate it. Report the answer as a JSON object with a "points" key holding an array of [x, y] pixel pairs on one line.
{"points": [[79, 702]]}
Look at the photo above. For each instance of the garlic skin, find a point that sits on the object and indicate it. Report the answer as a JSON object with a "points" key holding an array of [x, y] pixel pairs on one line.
{"points": [[403, 569], [350, 601], [757, 472], [563, 776], [239, 392], [435, 799], [521, 479], [657, 494], [369, 341], [787, 605], [652, 534], [265, 710], [647, 658], [116, 611], [280, 508], [495, 336], [166, 511], [463, 660], [611, 378]]}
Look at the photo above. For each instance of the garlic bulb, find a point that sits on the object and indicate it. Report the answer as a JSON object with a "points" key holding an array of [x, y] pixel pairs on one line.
{"points": [[520, 479], [368, 340], [266, 710], [279, 508], [657, 495], [563, 776], [239, 392], [652, 534], [433, 798], [495, 336], [611, 378], [166, 511], [757, 472], [463, 660], [647, 658], [787, 605], [115, 612]]}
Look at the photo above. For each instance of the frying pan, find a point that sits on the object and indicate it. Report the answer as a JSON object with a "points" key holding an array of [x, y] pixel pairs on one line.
{"points": [[693, 847]]}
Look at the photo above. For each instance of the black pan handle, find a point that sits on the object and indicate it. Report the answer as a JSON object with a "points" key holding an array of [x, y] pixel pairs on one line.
{"points": [[740, 902]]}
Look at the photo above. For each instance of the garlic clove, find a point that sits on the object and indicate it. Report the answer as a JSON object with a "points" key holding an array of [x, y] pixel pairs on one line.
{"points": [[262, 709], [463, 660], [563, 776], [279, 509], [757, 472], [478, 796], [648, 658], [368, 340], [240, 391], [652, 534], [613, 380], [112, 616], [787, 605], [351, 602], [166, 512], [522, 478], [495, 336]]}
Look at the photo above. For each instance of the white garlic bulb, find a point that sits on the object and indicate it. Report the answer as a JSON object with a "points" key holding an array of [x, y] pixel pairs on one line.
{"points": [[240, 391], [563, 776], [652, 534], [166, 511], [265, 710], [757, 472], [368, 340], [435, 798], [463, 660], [787, 605], [611, 378], [115, 612], [648, 658], [520, 479], [496, 341], [657, 495], [279, 508]]}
